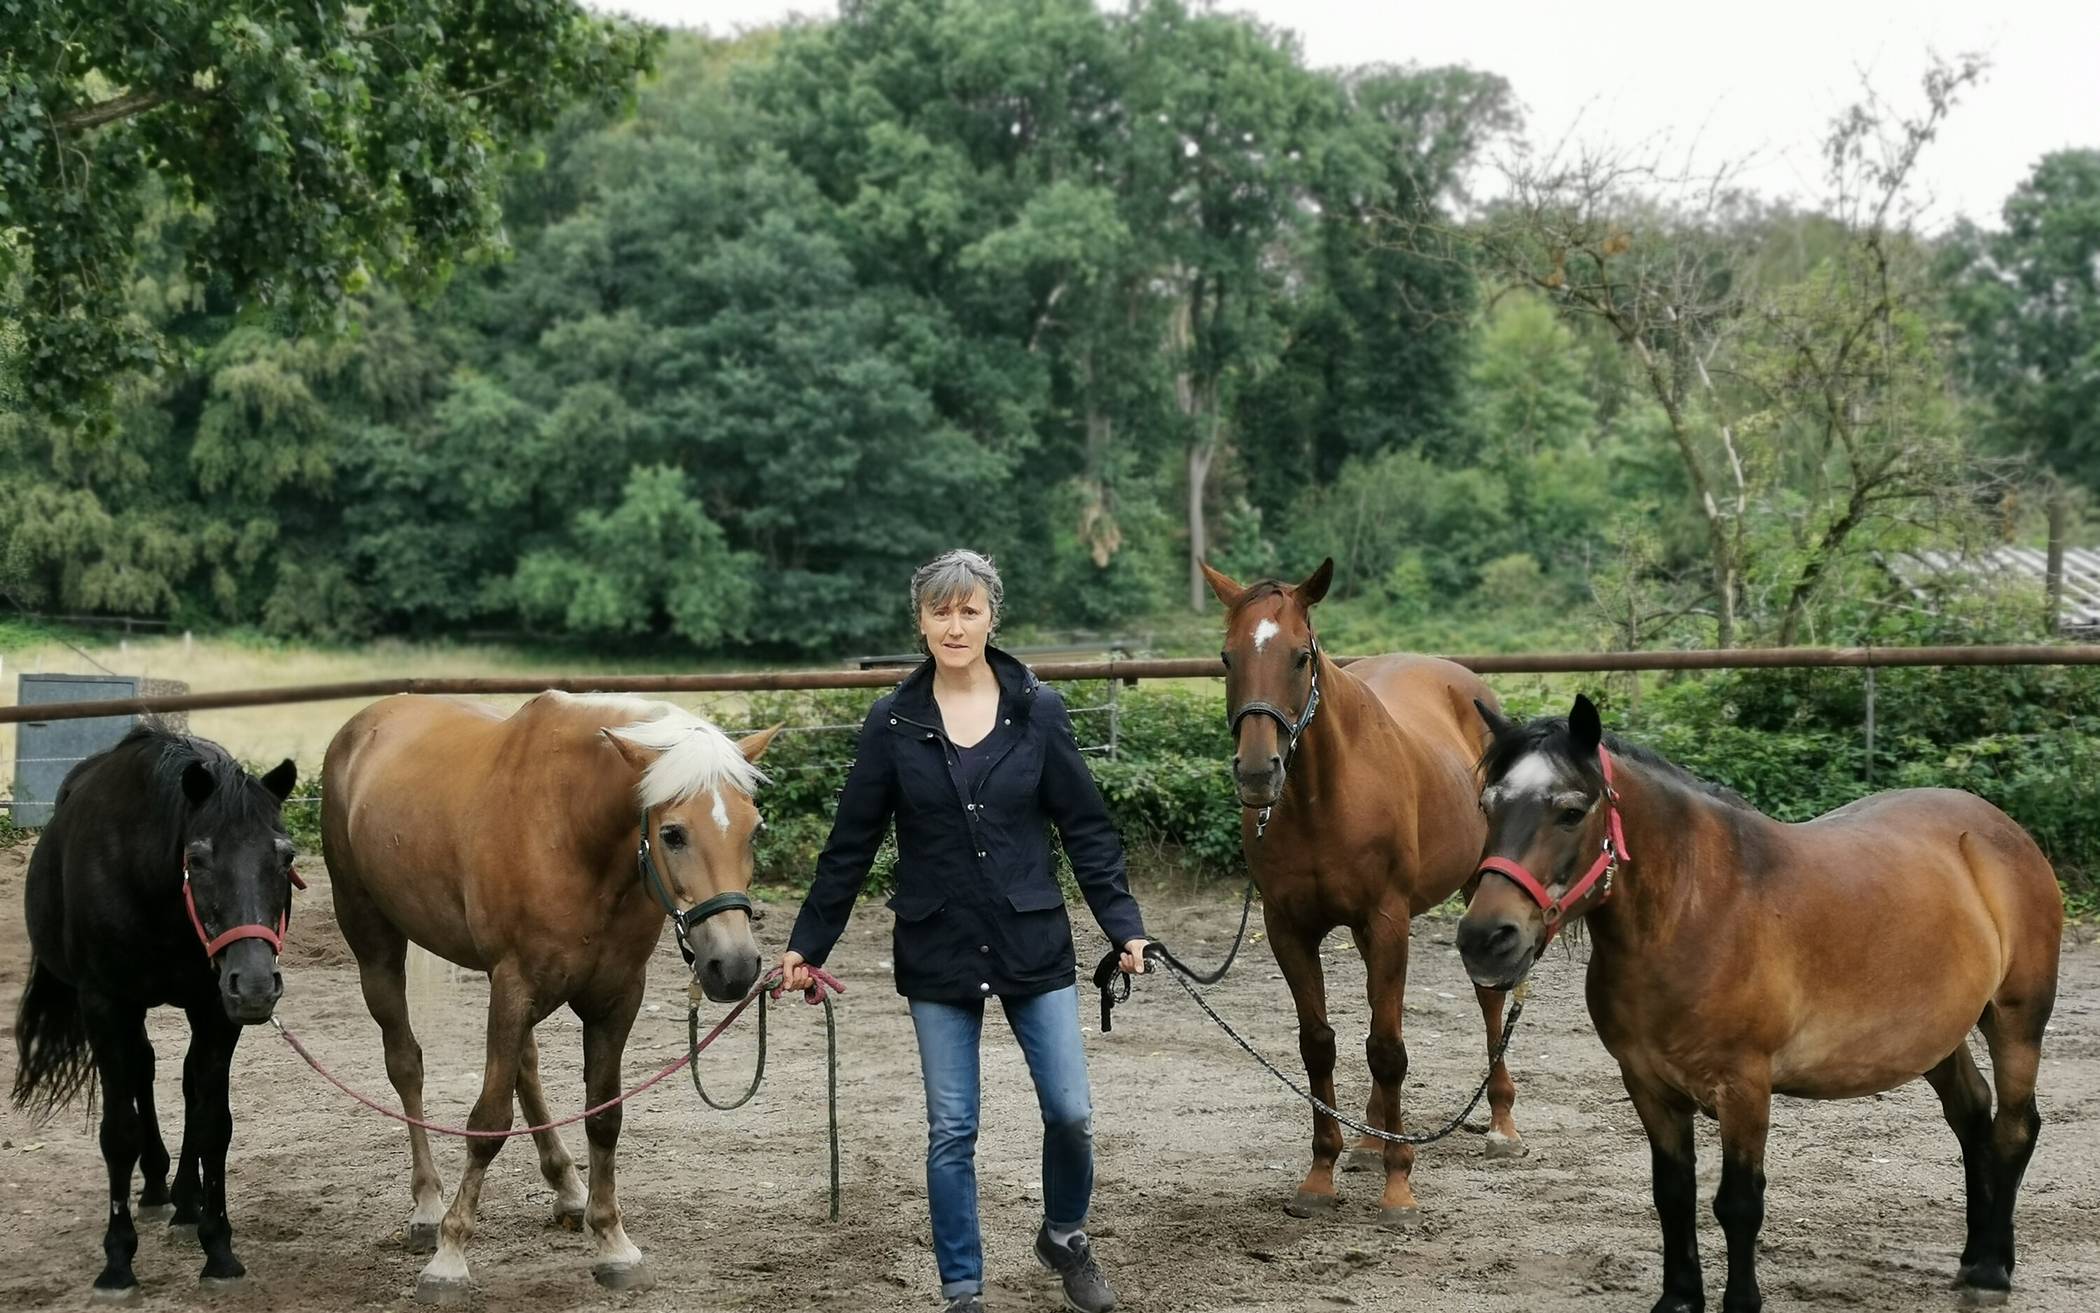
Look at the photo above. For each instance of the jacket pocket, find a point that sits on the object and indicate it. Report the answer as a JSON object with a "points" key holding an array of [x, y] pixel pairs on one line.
{"points": [[1036, 898], [915, 907]]}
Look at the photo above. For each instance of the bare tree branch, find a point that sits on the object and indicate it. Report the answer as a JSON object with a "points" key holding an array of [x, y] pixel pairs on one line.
{"points": [[87, 117]]}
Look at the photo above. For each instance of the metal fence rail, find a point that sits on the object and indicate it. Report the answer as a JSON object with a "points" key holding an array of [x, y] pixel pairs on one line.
{"points": [[1127, 671]]}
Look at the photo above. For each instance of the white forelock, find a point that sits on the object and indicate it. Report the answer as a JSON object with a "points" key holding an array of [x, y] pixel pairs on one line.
{"points": [[693, 754]]}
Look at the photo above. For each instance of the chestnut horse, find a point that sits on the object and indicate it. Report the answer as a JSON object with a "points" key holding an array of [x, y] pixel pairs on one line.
{"points": [[1360, 810], [1734, 957], [513, 846]]}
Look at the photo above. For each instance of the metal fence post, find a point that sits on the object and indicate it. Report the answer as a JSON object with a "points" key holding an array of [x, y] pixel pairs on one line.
{"points": [[1870, 724], [1115, 713]]}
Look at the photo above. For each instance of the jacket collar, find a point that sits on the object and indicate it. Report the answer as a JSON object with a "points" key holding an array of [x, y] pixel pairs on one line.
{"points": [[1017, 686]]}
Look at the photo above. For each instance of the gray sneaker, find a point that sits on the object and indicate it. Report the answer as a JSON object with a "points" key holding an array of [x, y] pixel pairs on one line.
{"points": [[965, 1304], [1086, 1290]]}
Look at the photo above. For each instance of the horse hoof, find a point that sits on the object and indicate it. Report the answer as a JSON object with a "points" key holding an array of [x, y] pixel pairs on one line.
{"points": [[624, 1276], [185, 1232], [115, 1294], [1980, 1297], [442, 1291], [1361, 1159], [422, 1237], [568, 1220], [1502, 1147], [1399, 1219], [152, 1212], [1307, 1204], [222, 1283]]}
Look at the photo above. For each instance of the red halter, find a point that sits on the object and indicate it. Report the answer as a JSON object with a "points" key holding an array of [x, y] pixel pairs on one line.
{"points": [[212, 947], [1606, 863]]}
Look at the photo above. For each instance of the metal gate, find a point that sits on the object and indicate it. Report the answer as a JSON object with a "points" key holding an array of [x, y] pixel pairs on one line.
{"points": [[46, 750]]}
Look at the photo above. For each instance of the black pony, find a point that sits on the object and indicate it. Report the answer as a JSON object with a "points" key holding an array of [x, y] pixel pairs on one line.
{"points": [[164, 877]]}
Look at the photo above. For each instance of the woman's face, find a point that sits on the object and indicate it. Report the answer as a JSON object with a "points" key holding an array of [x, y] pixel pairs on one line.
{"points": [[956, 629]]}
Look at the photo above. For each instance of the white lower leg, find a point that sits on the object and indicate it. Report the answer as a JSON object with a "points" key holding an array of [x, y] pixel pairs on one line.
{"points": [[448, 1267], [569, 1194], [615, 1253], [429, 1209], [614, 1248]]}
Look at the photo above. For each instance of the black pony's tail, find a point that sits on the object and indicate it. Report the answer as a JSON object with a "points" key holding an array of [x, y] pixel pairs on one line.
{"points": [[53, 1062]]}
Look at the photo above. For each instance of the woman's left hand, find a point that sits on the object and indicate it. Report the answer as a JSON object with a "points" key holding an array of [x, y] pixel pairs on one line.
{"points": [[1133, 962]]}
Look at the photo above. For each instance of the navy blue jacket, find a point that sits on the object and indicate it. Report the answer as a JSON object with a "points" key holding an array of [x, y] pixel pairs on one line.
{"points": [[978, 908]]}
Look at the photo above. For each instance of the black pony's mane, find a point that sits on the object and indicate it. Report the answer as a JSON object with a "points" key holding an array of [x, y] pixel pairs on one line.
{"points": [[237, 800], [1550, 735]]}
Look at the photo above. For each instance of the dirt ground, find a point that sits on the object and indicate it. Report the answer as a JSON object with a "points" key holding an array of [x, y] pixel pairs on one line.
{"points": [[1198, 1151]]}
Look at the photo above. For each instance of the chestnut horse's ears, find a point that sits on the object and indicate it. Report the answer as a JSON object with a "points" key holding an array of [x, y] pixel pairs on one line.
{"points": [[1315, 586], [1225, 589], [280, 781], [639, 758], [1585, 727], [1497, 723], [754, 746]]}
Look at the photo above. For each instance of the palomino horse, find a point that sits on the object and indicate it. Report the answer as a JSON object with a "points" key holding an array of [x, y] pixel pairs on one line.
{"points": [[1733, 957], [164, 877], [511, 846], [1359, 794]]}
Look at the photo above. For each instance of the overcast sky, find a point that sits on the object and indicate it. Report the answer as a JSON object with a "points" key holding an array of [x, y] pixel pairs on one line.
{"points": [[1726, 82]]}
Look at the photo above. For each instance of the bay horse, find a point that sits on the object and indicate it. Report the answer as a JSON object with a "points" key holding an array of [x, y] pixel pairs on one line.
{"points": [[164, 878], [543, 848], [1734, 957], [1358, 800]]}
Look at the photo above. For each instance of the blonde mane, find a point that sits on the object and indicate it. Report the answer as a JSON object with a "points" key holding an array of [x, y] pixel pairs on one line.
{"points": [[694, 756]]}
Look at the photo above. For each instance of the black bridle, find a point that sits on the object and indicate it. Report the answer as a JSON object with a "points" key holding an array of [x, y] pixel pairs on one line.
{"points": [[1293, 729], [682, 923]]}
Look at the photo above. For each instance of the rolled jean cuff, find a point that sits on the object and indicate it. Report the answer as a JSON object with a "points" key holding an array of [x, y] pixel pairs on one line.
{"points": [[951, 1289]]}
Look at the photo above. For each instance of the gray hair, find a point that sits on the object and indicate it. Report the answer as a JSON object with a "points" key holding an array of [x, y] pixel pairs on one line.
{"points": [[953, 575]]}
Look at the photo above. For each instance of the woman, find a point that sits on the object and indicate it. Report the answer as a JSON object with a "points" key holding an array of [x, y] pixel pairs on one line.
{"points": [[974, 759]]}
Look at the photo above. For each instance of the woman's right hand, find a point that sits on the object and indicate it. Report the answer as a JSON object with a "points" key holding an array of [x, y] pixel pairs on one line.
{"points": [[795, 975]]}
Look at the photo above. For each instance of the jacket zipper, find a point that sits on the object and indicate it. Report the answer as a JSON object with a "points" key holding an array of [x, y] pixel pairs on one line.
{"points": [[967, 797]]}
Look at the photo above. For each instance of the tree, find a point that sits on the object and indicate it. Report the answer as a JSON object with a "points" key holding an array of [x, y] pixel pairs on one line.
{"points": [[2028, 300], [822, 303], [654, 556], [314, 147], [1823, 396], [1849, 354], [1226, 131], [1650, 258]]}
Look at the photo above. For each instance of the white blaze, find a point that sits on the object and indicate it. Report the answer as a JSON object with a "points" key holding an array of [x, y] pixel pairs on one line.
{"points": [[1263, 632], [1533, 774], [721, 810]]}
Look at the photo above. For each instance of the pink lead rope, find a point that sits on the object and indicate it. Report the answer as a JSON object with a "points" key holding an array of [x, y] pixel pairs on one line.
{"points": [[826, 982]]}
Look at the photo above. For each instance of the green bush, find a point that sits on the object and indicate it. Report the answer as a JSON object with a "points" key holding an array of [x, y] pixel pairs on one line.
{"points": [[1790, 741], [806, 767]]}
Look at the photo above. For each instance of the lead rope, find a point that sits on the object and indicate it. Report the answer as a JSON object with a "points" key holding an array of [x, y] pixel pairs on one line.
{"points": [[826, 986], [1183, 977], [1213, 977]]}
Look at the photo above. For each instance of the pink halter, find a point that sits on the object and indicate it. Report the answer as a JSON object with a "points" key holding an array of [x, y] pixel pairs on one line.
{"points": [[212, 946], [1607, 862]]}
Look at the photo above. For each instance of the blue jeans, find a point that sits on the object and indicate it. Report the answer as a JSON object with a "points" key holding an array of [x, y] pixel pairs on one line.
{"points": [[1047, 1026]]}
